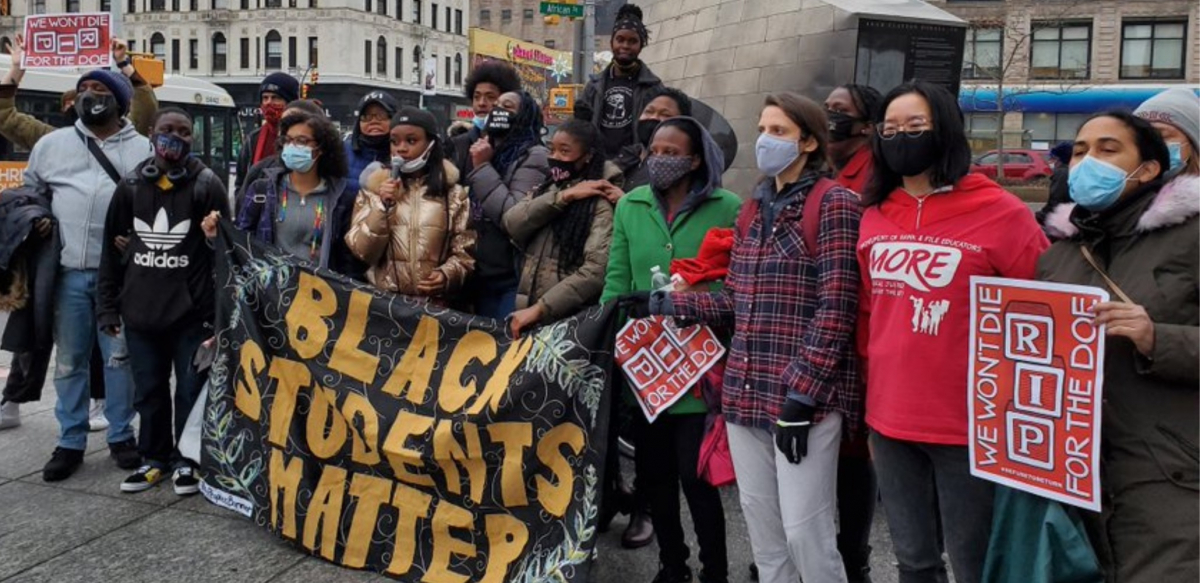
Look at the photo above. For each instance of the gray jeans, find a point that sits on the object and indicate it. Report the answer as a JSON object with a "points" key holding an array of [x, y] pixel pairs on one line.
{"points": [[790, 509], [920, 482]]}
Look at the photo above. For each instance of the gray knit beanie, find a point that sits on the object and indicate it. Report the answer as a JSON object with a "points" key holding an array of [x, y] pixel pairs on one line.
{"points": [[1179, 107]]}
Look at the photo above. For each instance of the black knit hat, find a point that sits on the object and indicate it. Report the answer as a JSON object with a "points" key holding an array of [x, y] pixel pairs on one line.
{"points": [[411, 116], [281, 84]]}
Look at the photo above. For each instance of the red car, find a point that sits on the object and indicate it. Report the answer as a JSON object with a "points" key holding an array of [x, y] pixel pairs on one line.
{"points": [[1022, 165]]}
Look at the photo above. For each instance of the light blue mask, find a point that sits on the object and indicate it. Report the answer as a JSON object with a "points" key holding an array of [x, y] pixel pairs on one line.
{"points": [[774, 154], [480, 122], [298, 158], [1096, 184], [1176, 151]]}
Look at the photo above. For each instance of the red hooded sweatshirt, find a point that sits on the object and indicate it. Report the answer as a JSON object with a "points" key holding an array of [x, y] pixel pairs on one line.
{"points": [[918, 258]]}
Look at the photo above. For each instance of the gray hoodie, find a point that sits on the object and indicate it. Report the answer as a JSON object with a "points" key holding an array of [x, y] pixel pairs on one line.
{"points": [[79, 186]]}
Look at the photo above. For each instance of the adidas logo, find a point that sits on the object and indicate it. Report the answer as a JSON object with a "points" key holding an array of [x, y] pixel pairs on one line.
{"points": [[161, 236]]}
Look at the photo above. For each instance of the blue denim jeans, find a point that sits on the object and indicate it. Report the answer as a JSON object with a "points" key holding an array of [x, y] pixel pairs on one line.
{"points": [[75, 331], [152, 356]]}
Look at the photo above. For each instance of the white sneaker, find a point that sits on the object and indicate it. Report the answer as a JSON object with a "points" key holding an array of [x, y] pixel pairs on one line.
{"points": [[96, 419], [10, 415]]}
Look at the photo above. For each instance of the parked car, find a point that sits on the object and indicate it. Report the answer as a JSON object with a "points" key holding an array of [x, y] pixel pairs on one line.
{"points": [[1019, 165]]}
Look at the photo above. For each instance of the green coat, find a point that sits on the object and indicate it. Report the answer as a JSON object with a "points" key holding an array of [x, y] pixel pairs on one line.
{"points": [[1150, 468], [642, 239]]}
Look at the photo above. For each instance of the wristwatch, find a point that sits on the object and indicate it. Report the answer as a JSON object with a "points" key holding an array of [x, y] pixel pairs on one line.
{"points": [[126, 62]]}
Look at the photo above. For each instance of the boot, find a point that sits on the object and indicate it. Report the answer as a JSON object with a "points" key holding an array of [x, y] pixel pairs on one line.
{"points": [[640, 531]]}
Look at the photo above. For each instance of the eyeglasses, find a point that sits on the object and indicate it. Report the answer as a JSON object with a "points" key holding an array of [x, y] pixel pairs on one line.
{"points": [[373, 117], [303, 141], [914, 129]]}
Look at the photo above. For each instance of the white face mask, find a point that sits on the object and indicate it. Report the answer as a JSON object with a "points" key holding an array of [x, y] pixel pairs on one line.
{"points": [[402, 166]]}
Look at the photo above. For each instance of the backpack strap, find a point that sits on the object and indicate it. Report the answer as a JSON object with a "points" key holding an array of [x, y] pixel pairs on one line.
{"points": [[746, 217], [100, 157], [811, 220]]}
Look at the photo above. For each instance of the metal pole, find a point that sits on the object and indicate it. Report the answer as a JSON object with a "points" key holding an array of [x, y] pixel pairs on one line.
{"points": [[589, 38], [421, 70]]}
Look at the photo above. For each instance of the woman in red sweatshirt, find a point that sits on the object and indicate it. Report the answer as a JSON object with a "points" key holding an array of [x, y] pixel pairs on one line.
{"points": [[928, 228]]}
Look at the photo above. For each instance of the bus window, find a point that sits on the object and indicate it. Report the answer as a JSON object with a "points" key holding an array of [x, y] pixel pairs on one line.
{"points": [[200, 138]]}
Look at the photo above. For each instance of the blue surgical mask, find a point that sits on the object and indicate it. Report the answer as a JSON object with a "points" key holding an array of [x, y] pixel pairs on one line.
{"points": [[480, 122], [774, 154], [1096, 184], [298, 158], [1176, 151]]}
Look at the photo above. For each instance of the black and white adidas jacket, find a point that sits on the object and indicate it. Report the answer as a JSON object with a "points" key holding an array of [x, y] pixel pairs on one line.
{"points": [[165, 275]]}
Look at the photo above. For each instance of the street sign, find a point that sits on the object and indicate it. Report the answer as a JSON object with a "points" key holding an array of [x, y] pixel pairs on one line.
{"points": [[559, 9]]}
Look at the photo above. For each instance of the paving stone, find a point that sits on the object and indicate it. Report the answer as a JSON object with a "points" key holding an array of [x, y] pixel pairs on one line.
{"points": [[25, 449], [313, 570], [38, 523], [101, 476], [170, 545]]}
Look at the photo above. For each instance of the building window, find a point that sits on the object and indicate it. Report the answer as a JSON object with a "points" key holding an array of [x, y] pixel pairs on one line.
{"points": [[219, 51], [175, 5], [175, 55], [527, 15], [505, 16], [485, 16], [417, 69], [448, 60], [1051, 128], [39, 6], [367, 57], [433, 17], [312, 51], [132, 45], [381, 57], [130, 7], [158, 5], [274, 3], [550, 43], [417, 11], [1061, 51], [399, 63], [72, 5], [458, 23], [194, 54], [158, 46], [982, 56], [292, 52], [367, 6], [1153, 50], [244, 45], [399, 9], [194, 5], [448, 29], [245, 4], [458, 69], [274, 51], [105, 5], [381, 7]]}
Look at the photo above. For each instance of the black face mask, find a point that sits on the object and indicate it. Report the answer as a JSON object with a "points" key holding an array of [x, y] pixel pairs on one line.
{"points": [[562, 171], [499, 124], [96, 110], [374, 142], [841, 126], [645, 130], [908, 155]]}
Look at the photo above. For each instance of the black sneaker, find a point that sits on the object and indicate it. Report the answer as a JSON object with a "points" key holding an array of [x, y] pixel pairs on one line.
{"points": [[668, 575], [143, 479], [63, 462], [185, 481], [126, 454]]}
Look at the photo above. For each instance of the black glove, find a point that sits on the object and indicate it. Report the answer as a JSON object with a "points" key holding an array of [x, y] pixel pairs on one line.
{"points": [[43, 226], [636, 304], [791, 431]]}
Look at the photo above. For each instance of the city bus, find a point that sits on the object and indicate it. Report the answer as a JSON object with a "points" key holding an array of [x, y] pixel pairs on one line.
{"points": [[211, 108]]}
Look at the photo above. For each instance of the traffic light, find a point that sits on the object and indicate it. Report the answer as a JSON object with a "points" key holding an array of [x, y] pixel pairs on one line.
{"points": [[304, 91], [315, 75], [552, 20]]}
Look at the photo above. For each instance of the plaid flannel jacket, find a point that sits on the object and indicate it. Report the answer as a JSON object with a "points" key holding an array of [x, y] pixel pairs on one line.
{"points": [[792, 315]]}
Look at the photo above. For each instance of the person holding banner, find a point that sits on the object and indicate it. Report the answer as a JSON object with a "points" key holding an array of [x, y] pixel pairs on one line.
{"points": [[653, 225], [791, 384], [929, 226], [411, 222], [508, 164], [564, 228], [256, 171], [80, 166], [160, 291], [303, 206], [1134, 234]]}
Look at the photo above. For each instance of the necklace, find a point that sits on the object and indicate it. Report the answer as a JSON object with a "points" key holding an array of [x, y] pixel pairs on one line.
{"points": [[318, 227]]}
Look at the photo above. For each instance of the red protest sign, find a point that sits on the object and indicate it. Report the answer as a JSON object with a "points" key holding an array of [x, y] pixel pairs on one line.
{"points": [[59, 41], [1037, 373], [663, 361]]}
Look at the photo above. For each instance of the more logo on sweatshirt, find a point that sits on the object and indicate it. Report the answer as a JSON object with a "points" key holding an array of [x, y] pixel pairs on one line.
{"points": [[160, 238]]}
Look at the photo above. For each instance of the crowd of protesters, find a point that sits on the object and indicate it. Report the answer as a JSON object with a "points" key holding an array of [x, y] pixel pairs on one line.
{"points": [[841, 386]]}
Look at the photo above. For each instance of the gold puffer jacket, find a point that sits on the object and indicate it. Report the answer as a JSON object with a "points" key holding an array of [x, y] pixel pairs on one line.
{"points": [[421, 233]]}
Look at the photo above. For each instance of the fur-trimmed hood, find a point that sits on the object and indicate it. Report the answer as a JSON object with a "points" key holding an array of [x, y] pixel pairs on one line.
{"points": [[1176, 202]]}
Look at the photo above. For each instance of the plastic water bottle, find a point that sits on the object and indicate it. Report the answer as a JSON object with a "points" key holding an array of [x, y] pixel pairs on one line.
{"points": [[660, 281]]}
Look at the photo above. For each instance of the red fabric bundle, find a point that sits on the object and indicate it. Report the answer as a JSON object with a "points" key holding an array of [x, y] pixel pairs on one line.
{"points": [[711, 263]]}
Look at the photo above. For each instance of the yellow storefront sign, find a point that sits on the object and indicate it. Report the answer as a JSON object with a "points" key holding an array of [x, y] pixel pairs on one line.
{"points": [[517, 51]]}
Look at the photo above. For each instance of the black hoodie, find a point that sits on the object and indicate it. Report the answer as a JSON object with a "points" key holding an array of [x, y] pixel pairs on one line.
{"points": [[165, 275]]}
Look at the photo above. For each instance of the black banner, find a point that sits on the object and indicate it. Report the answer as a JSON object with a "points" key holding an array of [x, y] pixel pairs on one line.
{"points": [[380, 433]]}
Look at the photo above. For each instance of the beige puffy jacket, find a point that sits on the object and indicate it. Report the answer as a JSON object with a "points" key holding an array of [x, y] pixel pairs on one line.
{"points": [[421, 233]]}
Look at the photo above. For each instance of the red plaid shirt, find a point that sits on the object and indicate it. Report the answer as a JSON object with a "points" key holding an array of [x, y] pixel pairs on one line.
{"points": [[793, 317]]}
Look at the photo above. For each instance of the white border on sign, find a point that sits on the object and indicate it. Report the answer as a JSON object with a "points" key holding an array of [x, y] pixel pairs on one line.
{"points": [[25, 29], [1097, 393]]}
